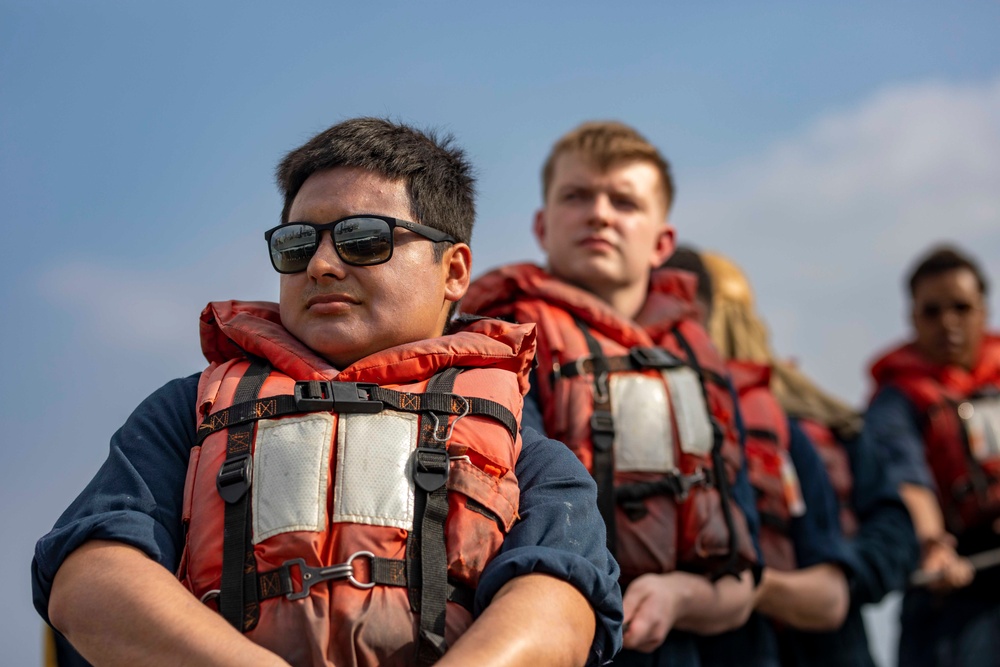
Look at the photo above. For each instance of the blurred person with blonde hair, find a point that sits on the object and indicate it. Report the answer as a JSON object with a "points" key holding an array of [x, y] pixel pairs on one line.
{"points": [[871, 515]]}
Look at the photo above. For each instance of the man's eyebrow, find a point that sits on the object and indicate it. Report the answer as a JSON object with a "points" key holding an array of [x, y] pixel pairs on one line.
{"points": [[574, 186]]}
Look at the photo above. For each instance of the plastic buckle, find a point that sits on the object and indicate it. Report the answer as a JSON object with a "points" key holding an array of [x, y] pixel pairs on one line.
{"points": [[602, 422], [342, 397], [313, 575], [430, 468], [602, 431], [233, 480], [653, 357]]}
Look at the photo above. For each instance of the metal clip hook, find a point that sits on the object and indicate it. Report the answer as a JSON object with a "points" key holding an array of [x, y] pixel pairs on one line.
{"points": [[600, 388], [451, 428]]}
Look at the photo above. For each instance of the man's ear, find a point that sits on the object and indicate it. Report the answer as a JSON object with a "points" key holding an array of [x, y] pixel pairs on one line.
{"points": [[538, 227], [665, 245], [457, 265]]}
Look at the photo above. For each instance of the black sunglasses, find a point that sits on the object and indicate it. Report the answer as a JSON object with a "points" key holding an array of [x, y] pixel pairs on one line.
{"points": [[360, 240], [932, 311]]}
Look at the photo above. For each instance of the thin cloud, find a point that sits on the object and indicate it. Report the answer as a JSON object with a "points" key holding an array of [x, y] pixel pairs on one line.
{"points": [[153, 311], [827, 221]]}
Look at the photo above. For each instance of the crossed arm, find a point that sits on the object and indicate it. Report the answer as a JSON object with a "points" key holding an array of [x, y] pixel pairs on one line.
{"points": [[655, 604], [814, 598], [118, 607]]}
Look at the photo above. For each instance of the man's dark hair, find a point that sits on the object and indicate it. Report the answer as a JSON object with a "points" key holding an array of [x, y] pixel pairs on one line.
{"points": [[438, 176], [688, 259], [941, 259]]}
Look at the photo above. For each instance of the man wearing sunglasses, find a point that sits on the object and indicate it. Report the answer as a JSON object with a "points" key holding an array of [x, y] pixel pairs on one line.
{"points": [[345, 484], [629, 380], [935, 417]]}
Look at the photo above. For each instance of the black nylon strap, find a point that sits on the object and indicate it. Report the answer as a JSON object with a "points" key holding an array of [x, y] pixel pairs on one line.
{"points": [[677, 486], [429, 562], [602, 435], [238, 590], [763, 434], [442, 402], [247, 411], [638, 358], [721, 478]]}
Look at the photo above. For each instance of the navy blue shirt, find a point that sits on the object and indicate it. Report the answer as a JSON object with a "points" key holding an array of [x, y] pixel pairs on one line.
{"points": [[136, 499], [893, 425]]}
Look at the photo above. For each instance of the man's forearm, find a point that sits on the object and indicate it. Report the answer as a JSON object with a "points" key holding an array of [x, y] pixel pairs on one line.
{"points": [[533, 620], [814, 598], [922, 503], [707, 607], [118, 607]]}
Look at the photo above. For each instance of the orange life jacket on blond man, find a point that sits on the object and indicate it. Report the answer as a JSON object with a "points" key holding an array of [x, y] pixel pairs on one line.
{"points": [[645, 406], [960, 418], [344, 517]]}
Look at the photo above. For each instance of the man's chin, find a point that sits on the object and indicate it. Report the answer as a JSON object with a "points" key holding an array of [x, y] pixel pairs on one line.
{"points": [[592, 276]]}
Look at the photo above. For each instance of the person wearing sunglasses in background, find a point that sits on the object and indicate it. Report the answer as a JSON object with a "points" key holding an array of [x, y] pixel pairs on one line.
{"points": [[629, 380], [346, 483], [935, 419]]}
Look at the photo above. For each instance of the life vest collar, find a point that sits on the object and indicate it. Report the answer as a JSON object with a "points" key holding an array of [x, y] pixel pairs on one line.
{"points": [[906, 363], [234, 329], [669, 300]]}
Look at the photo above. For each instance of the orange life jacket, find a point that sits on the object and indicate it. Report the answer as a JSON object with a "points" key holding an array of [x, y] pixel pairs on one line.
{"points": [[770, 468], [837, 463], [350, 500], [629, 398], [960, 413]]}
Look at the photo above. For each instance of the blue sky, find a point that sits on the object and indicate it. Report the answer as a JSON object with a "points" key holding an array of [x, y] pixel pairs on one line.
{"points": [[819, 146]]}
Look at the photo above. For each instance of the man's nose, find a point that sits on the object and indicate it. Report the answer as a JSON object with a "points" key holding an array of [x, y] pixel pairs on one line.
{"points": [[601, 211], [325, 262]]}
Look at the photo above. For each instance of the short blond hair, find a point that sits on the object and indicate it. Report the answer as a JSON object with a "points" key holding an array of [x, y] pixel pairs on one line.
{"points": [[605, 144]]}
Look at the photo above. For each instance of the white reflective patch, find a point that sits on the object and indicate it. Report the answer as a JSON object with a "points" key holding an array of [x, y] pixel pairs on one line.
{"points": [[644, 439], [791, 486], [374, 484], [982, 423], [693, 425], [291, 466]]}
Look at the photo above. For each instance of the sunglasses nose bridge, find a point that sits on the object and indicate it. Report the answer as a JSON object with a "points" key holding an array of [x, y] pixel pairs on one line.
{"points": [[325, 259]]}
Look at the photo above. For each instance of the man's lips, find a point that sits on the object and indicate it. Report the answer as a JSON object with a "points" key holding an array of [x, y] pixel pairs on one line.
{"points": [[596, 243], [322, 303]]}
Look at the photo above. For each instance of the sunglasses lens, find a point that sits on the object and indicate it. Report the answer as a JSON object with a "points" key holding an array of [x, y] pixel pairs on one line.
{"points": [[292, 246], [363, 241]]}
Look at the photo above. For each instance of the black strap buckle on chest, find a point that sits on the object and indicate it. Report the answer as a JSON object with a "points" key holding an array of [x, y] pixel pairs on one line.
{"points": [[653, 357], [233, 480], [341, 397], [430, 468]]}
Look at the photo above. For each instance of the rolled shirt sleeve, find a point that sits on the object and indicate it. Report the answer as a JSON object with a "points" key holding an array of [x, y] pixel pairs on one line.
{"points": [[892, 426], [137, 495], [560, 533]]}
